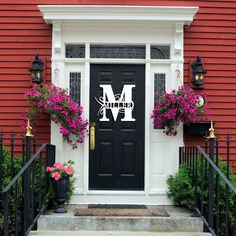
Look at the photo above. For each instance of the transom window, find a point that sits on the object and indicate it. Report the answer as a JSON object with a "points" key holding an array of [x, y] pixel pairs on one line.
{"points": [[135, 52], [75, 51], [160, 52], [117, 51]]}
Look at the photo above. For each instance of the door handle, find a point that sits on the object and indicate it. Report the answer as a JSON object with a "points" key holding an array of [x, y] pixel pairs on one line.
{"points": [[92, 136]]}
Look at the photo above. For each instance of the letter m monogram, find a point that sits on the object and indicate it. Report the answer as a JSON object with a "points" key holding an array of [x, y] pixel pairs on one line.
{"points": [[119, 103]]}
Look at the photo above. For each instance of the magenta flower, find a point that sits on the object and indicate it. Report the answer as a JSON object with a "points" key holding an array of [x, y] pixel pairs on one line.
{"points": [[178, 106], [63, 110]]}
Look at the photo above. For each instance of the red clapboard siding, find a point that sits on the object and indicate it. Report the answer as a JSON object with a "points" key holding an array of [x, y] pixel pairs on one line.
{"points": [[212, 35], [23, 33]]}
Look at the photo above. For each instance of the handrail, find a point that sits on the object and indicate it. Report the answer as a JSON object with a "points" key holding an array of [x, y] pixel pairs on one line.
{"points": [[214, 193], [23, 169], [221, 174]]}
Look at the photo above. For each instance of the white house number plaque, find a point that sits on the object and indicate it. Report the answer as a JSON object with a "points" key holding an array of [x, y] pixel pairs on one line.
{"points": [[117, 103]]}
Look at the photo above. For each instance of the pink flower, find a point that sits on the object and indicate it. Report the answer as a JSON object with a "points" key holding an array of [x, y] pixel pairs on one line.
{"points": [[56, 176], [178, 106], [55, 101], [50, 169], [69, 170], [58, 166], [64, 131]]}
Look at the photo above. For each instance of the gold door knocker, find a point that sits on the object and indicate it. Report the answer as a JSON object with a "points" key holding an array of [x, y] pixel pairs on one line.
{"points": [[92, 136]]}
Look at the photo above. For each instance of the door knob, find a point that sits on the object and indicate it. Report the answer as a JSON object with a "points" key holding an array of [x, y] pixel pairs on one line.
{"points": [[92, 136]]}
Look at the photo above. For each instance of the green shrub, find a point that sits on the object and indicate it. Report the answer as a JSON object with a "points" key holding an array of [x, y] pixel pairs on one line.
{"points": [[17, 165], [180, 188], [183, 193]]}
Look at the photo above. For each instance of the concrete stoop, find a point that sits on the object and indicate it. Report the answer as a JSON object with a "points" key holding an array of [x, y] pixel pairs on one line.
{"points": [[114, 233], [97, 223], [179, 223]]}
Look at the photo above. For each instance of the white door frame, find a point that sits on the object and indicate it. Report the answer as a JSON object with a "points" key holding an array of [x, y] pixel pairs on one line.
{"points": [[115, 25]]}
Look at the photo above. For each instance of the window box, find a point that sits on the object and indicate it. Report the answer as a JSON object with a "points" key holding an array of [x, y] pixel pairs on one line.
{"points": [[197, 128]]}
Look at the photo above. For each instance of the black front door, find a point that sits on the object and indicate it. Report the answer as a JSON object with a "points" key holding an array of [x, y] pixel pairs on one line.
{"points": [[117, 107]]}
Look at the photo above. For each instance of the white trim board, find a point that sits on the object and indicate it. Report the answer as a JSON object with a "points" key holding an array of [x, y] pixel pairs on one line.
{"points": [[118, 12]]}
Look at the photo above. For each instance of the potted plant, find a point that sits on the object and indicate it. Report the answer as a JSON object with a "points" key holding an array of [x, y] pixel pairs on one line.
{"points": [[60, 176], [181, 105], [53, 100]]}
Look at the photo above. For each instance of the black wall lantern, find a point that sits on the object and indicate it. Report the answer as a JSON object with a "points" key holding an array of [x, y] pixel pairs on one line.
{"points": [[198, 72], [37, 70]]}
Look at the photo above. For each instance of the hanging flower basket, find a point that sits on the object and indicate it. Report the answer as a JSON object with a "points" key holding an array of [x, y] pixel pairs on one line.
{"points": [[181, 105], [53, 100]]}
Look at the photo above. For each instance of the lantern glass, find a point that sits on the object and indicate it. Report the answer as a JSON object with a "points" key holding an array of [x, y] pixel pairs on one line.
{"points": [[198, 72], [36, 70]]}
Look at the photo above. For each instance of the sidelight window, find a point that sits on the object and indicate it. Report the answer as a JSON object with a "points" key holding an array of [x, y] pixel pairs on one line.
{"points": [[159, 87], [75, 86]]}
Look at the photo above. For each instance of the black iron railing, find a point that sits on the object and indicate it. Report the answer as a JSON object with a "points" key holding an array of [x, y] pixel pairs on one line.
{"points": [[214, 186], [23, 197]]}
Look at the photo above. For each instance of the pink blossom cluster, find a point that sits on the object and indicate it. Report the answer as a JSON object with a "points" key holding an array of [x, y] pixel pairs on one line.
{"points": [[58, 170], [180, 105], [63, 110]]}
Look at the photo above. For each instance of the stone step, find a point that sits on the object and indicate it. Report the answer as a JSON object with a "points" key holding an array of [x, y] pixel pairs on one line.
{"points": [[114, 233], [66, 222], [179, 220]]}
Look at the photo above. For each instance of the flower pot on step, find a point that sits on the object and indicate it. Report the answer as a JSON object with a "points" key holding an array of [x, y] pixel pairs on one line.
{"points": [[60, 188]]}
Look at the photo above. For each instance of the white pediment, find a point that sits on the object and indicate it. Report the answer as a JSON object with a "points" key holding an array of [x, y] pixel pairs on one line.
{"points": [[118, 13]]}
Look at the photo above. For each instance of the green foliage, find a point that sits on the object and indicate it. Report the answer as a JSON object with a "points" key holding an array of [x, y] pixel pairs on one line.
{"points": [[7, 177], [6, 167], [183, 192], [10, 165]]}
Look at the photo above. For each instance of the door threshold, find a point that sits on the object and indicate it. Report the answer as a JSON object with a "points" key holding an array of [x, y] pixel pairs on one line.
{"points": [[115, 192]]}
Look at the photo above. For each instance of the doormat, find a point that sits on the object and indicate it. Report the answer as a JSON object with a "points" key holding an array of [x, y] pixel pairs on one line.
{"points": [[116, 206], [120, 212]]}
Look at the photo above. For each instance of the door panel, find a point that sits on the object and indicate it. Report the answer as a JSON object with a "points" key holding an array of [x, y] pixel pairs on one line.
{"points": [[117, 163]]}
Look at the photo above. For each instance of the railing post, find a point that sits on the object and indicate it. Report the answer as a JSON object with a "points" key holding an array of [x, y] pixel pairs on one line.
{"points": [[211, 138], [217, 220], [50, 160], [211, 187], [227, 188], [228, 154], [6, 214], [181, 155], [1, 159], [26, 179], [12, 153], [23, 147]]}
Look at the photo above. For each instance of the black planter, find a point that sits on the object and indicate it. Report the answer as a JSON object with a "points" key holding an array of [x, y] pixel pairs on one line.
{"points": [[197, 128], [60, 188]]}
